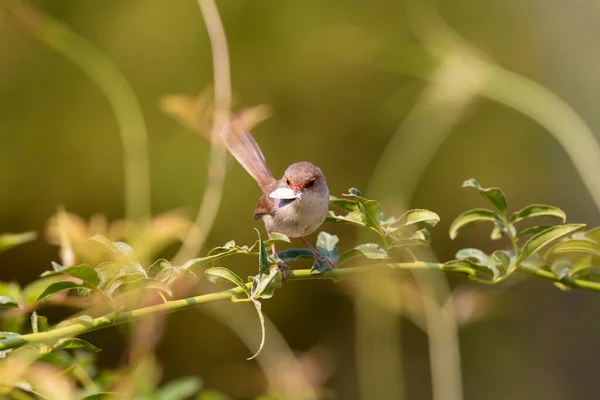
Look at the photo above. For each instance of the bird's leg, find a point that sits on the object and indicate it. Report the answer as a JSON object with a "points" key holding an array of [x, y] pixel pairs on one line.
{"points": [[319, 257], [283, 267]]}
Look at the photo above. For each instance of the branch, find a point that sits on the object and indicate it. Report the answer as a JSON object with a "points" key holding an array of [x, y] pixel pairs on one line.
{"points": [[301, 274]]}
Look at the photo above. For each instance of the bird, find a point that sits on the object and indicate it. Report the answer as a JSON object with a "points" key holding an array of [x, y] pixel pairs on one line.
{"points": [[295, 205]]}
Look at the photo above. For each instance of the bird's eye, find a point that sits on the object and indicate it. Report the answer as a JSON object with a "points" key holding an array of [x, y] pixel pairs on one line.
{"points": [[311, 183], [287, 181]]}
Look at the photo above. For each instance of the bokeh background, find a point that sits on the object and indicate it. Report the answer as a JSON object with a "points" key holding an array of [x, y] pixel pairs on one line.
{"points": [[404, 100]]}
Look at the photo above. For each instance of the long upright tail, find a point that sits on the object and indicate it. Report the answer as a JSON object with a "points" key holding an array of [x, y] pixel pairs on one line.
{"points": [[245, 149]]}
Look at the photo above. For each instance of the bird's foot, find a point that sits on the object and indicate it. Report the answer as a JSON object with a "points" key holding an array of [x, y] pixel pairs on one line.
{"points": [[285, 270], [321, 258]]}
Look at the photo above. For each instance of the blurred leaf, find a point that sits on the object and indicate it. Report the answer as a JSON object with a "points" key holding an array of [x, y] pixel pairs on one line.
{"points": [[118, 248], [57, 287], [534, 230], [475, 255], [220, 274], [539, 210], [84, 320], [179, 389], [263, 256], [261, 318], [39, 323], [290, 255], [8, 302], [594, 234], [546, 237], [74, 343], [215, 254], [138, 284], [470, 217], [276, 237], [212, 395], [326, 245], [472, 267], [502, 263], [561, 268], [574, 246], [101, 396], [264, 285], [496, 233], [371, 251], [158, 266], [10, 240], [5, 335], [84, 272], [583, 266], [108, 271], [32, 291], [494, 195], [420, 217]]}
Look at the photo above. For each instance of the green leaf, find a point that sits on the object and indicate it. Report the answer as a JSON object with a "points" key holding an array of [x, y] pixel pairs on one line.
{"points": [[542, 239], [344, 204], [276, 237], [418, 217], [74, 343], [594, 234], [10, 240], [39, 323], [561, 268], [290, 255], [475, 255], [84, 272], [84, 320], [8, 302], [353, 218], [469, 267], [264, 285], [58, 287], [370, 210], [261, 318], [179, 389], [494, 195], [370, 251], [496, 232], [118, 248], [137, 284], [5, 335], [500, 263], [101, 396], [215, 254], [538, 210], [326, 245], [470, 217], [534, 230], [220, 274], [583, 266], [263, 255], [574, 246], [158, 266]]}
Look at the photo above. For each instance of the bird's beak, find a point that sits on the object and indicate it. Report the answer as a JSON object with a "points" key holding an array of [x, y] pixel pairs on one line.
{"points": [[285, 193]]}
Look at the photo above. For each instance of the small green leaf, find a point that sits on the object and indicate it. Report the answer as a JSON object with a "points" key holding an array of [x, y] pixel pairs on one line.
{"points": [[419, 217], [74, 343], [494, 195], [475, 255], [469, 267], [574, 246], [594, 234], [84, 272], [353, 218], [496, 232], [137, 284], [370, 251], [501, 263], [561, 268], [118, 248], [201, 261], [264, 285], [538, 210], [583, 266], [220, 274], [534, 230], [10, 240], [344, 204], [58, 287], [158, 266], [263, 255], [542, 239], [39, 323], [84, 320], [470, 217], [276, 237], [290, 255], [370, 210], [261, 318], [179, 389], [8, 302], [326, 245]]}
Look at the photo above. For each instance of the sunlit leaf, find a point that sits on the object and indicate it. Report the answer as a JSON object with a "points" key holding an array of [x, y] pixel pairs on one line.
{"points": [[84, 320], [263, 255], [469, 267], [101, 396], [138, 284], [574, 246], [264, 285], [74, 343], [201, 261], [58, 287], [10, 240], [534, 230], [470, 217], [39, 323], [220, 274], [538, 210], [501, 263], [326, 245], [370, 251], [370, 210], [156, 267], [344, 204], [594, 234], [544, 238], [496, 233], [84, 272], [277, 237], [418, 217], [561, 268], [179, 389], [353, 217], [263, 330], [494, 195], [8, 302]]}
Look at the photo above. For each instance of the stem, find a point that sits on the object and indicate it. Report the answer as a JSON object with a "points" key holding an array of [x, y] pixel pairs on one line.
{"points": [[299, 274]]}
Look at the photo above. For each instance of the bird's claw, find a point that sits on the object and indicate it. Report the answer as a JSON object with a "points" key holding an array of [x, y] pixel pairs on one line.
{"points": [[320, 258], [285, 270]]}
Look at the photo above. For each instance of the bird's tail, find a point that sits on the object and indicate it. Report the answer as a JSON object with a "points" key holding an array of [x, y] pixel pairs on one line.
{"points": [[246, 151]]}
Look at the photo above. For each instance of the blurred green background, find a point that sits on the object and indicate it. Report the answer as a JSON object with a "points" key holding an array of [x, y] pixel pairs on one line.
{"points": [[354, 87]]}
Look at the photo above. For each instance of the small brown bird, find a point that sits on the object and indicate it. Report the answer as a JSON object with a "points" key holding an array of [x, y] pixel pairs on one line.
{"points": [[295, 205]]}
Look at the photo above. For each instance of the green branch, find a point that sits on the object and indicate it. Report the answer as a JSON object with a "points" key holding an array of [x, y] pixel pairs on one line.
{"points": [[302, 274]]}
